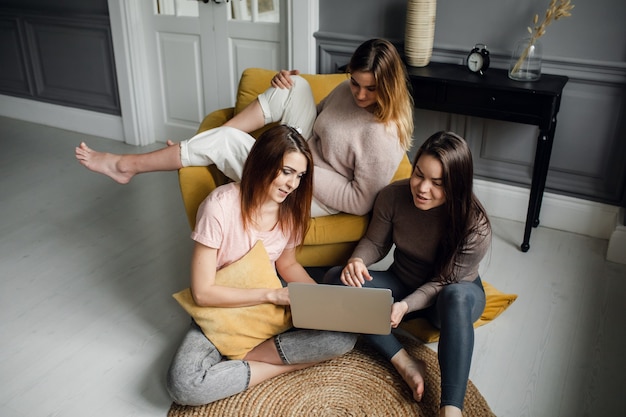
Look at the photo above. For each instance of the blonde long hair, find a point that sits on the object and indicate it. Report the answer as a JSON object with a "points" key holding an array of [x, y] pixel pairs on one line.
{"points": [[394, 101]]}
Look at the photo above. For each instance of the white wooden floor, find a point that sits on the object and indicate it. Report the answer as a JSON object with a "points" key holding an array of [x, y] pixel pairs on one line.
{"points": [[88, 324]]}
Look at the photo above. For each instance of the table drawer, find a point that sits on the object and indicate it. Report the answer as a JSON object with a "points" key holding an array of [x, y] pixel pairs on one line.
{"points": [[509, 101]]}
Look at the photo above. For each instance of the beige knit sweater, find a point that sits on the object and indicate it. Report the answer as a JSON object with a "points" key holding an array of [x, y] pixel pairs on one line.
{"points": [[355, 156]]}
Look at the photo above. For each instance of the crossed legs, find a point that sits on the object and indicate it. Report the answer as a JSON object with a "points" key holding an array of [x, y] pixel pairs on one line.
{"points": [[200, 375]]}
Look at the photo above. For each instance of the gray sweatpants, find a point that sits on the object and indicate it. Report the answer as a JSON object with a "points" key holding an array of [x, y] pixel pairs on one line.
{"points": [[199, 374]]}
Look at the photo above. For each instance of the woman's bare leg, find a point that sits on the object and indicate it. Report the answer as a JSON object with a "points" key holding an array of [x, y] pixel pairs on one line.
{"points": [[249, 119], [265, 363], [261, 371], [412, 371], [265, 352], [450, 411], [122, 168]]}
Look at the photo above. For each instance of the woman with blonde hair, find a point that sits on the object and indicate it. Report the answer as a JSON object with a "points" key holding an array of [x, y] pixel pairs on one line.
{"points": [[358, 134]]}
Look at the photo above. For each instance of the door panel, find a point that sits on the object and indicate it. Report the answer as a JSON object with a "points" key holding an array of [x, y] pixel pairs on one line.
{"points": [[181, 81], [247, 33], [199, 51]]}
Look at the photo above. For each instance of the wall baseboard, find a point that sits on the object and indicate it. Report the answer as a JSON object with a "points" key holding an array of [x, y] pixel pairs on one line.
{"points": [[617, 242], [68, 118], [558, 212]]}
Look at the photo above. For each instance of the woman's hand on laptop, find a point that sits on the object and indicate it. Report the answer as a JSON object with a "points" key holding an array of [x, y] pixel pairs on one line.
{"points": [[355, 273]]}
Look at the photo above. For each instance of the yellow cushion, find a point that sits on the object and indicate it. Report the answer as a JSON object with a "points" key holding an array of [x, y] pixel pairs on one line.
{"points": [[216, 118], [323, 84], [236, 331], [330, 254], [497, 302]]}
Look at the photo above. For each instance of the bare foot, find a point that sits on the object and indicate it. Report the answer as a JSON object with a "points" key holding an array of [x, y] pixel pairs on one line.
{"points": [[412, 371], [103, 163]]}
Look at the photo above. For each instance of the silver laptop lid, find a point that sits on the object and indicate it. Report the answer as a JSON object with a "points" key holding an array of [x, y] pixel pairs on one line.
{"points": [[340, 308]]}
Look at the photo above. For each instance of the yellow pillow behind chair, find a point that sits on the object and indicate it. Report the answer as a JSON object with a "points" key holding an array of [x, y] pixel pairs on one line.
{"points": [[237, 330]]}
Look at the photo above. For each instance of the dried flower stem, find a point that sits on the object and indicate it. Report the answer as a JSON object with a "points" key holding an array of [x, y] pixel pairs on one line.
{"points": [[556, 10]]}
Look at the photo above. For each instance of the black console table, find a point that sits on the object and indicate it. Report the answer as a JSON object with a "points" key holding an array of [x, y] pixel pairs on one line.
{"points": [[454, 89]]}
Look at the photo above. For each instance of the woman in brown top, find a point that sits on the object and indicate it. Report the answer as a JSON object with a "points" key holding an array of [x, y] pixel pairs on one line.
{"points": [[441, 233]]}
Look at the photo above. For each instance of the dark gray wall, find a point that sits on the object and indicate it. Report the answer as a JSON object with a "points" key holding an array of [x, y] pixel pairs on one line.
{"points": [[595, 31], [58, 52], [589, 154]]}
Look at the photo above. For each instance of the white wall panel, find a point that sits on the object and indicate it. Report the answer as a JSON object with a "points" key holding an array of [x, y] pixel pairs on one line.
{"points": [[181, 79]]}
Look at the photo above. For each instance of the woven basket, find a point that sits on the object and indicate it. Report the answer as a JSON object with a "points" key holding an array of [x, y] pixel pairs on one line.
{"points": [[420, 31]]}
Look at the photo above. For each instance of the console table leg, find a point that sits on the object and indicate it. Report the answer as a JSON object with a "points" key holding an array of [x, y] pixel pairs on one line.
{"points": [[529, 225], [532, 216]]}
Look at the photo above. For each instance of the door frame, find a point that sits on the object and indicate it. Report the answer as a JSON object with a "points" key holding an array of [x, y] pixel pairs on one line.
{"points": [[131, 60]]}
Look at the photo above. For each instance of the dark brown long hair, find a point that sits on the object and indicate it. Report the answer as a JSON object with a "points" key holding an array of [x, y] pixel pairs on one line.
{"points": [[465, 214], [394, 101], [263, 165]]}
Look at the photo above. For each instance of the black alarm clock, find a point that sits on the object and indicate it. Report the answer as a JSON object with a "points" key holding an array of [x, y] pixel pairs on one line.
{"points": [[478, 59]]}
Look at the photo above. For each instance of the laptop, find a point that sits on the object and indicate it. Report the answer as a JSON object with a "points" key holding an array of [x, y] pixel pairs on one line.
{"points": [[340, 308]]}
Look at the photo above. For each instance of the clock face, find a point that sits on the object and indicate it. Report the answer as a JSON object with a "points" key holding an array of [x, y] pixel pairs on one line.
{"points": [[475, 61]]}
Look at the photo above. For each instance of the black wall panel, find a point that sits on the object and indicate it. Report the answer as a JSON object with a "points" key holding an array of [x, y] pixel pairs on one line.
{"points": [[14, 73], [61, 55]]}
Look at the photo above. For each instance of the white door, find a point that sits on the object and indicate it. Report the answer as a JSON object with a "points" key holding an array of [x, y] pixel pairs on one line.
{"points": [[196, 52], [247, 33]]}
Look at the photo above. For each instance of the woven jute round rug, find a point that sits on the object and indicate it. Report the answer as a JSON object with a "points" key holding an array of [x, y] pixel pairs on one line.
{"points": [[360, 383]]}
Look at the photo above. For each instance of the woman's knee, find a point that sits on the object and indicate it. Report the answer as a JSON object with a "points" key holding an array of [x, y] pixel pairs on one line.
{"points": [[306, 346], [459, 302], [180, 387], [346, 342], [338, 343], [201, 385], [457, 295], [185, 392], [333, 276]]}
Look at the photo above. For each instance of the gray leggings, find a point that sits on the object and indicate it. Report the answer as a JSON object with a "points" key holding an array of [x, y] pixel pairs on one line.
{"points": [[455, 310], [199, 374]]}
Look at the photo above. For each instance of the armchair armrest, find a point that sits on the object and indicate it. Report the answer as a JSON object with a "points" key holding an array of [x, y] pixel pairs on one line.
{"points": [[216, 119], [198, 182]]}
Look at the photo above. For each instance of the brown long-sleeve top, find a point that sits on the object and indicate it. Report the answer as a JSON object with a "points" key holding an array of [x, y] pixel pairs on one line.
{"points": [[416, 234]]}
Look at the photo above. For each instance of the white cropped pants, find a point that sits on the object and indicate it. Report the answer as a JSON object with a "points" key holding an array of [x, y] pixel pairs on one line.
{"points": [[228, 148]]}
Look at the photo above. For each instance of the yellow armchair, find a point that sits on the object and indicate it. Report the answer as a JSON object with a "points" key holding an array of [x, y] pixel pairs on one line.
{"points": [[330, 239]]}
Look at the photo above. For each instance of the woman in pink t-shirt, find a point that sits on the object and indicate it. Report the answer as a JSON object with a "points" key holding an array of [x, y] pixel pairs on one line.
{"points": [[271, 204]]}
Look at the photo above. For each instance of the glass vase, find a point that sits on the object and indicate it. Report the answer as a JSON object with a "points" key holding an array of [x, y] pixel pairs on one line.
{"points": [[526, 60]]}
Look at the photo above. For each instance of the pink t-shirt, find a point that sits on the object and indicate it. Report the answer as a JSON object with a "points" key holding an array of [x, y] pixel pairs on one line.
{"points": [[219, 225]]}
